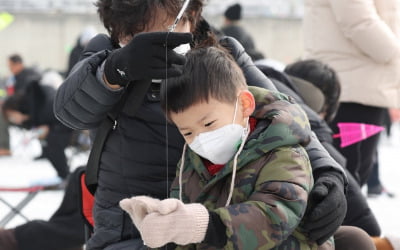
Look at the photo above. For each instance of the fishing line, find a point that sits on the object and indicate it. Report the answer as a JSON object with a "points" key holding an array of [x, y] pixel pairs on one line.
{"points": [[166, 119]]}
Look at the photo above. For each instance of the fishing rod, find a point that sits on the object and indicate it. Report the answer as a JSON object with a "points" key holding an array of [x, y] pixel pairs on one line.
{"points": [[179, 16]]}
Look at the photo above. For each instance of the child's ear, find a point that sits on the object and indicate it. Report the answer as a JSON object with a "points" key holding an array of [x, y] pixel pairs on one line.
{"points": [[248, 103]]}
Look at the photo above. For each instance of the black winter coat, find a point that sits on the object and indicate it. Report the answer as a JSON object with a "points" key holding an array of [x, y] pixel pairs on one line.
{"points": [[358, 213]]}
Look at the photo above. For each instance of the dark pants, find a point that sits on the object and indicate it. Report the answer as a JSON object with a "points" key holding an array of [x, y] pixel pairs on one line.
{"points": [[360, 156], [373, 180], [55, 143], [65, 229]]}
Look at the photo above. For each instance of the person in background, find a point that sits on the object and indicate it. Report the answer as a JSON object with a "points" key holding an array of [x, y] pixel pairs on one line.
{"points": [[83, 39], [312, 100], [325, 81], [22, 76], [360, 40], [232, 27], [32, 109]]}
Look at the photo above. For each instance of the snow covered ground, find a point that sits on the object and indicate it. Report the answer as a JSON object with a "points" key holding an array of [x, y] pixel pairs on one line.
{"points": [[387, 209], [21, 170]]}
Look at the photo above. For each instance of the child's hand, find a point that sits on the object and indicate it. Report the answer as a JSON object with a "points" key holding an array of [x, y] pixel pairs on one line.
{"points": [[138, 207], [173, 221]]}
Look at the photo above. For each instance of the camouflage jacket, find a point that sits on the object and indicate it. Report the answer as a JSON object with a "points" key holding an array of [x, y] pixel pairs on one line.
{"points": [[272, 183]]}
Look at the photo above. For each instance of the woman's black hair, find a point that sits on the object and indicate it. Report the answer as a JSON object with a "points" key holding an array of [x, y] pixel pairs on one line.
{"points": [[123, 18]]}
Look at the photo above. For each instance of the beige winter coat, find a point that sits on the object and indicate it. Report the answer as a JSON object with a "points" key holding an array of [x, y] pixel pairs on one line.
{"points": [[360, 39]]}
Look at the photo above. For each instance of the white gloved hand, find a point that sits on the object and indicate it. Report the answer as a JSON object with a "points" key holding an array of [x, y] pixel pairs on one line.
{"points": [[139, 206], [175, 222]]}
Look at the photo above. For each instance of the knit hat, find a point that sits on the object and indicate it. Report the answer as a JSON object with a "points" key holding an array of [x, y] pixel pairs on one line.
{"points": [[234, 12]]}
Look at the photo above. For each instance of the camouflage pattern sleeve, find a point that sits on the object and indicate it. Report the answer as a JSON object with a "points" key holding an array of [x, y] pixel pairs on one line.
{"points": [[174, 190], [271, 215]]}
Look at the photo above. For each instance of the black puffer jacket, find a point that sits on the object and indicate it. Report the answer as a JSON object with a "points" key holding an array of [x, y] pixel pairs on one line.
{"points": [[134, 160], [358, 213]]}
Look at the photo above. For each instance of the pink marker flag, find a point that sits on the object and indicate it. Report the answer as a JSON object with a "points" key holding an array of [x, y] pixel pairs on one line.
{"points": [[351, 132]]}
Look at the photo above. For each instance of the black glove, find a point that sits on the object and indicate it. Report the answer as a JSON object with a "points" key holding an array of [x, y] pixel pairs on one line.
{"points": [[145, 57], [326, 208]]}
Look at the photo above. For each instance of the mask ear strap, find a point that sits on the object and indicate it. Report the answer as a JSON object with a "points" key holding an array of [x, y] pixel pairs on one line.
{"points": [[232, 186], [181, 171], [236, 107], [246, 130]]}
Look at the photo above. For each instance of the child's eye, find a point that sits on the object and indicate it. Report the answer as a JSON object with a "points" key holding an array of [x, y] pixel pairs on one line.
{"points": [[209, 124], [187, 134]]}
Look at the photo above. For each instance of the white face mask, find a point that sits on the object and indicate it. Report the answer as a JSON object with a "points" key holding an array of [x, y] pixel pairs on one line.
{"points": [[182, 49], [220, 145]]}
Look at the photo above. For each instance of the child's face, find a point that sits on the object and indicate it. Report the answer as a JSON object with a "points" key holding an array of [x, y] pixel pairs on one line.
{"points": [[208, 116]]}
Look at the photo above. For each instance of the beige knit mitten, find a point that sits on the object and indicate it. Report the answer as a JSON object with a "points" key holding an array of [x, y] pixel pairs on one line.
{"points": [[139, 206], [176, 222]]}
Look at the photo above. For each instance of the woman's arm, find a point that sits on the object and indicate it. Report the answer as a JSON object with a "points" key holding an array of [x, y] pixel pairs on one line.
{"points": [[83, 100]]}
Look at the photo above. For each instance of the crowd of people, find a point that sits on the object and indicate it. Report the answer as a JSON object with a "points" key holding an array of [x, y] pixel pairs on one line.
{"points": [[198, 142]]}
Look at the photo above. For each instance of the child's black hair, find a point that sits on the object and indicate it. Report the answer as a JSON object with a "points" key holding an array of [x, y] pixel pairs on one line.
{"points": [[15, 58], [208, 72]]}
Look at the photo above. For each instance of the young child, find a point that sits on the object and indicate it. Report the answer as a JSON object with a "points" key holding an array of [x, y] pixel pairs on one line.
{"points": [[244, 178]]}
